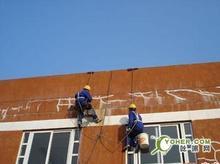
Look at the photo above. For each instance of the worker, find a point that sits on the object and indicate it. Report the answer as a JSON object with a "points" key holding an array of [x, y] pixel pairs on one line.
{"points": [[135, 127], [83, 101]]}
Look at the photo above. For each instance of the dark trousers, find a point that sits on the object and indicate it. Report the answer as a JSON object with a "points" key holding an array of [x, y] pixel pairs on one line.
{"points": [[132, 137], [85, 108]]}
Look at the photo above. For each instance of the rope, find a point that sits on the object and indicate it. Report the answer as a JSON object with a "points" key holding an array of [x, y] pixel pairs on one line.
{"points": [[128, 132], [101, 131], [107, 99], [100, 135], [132, 77], [132, 80], [80, 130], [125, 136], [90, 75]]}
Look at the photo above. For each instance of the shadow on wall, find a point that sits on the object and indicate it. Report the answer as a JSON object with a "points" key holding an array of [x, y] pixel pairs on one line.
{"points": [[71, 112], [122, 131], [122, 135], [123, 120]]}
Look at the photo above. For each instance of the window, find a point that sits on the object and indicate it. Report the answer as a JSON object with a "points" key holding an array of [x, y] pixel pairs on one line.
{"points": [[174, 130], [49, 147]]}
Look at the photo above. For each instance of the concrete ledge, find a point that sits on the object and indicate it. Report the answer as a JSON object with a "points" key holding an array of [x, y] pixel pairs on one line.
{"points": [[112, 120]]}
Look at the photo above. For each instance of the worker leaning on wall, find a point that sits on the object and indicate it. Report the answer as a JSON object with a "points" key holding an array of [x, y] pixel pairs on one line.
{"points": [[83, 103], [135, 127]]}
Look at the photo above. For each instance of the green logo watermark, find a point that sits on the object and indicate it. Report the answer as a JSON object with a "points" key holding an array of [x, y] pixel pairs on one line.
{"points": [[164, 143]]}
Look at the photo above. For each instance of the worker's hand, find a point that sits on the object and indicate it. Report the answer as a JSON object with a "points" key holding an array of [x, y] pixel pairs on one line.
{"points": [[128, 129]]}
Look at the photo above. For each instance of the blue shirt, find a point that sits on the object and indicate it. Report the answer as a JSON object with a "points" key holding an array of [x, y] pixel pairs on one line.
{"points": [[83, 97], [133, 118]]}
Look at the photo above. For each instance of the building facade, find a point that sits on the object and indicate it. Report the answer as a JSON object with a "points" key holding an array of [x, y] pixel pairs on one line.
{"points": [[38, 123]]}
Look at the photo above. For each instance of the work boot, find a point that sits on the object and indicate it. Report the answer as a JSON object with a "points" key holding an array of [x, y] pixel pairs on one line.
{"points": [[79, 124], [97, 120], [136, 149]]}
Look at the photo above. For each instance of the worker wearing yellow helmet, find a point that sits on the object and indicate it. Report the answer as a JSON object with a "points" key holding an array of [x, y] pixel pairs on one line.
{"points": [[132, 106], [135, 127], [83, 102], [87, 87]]}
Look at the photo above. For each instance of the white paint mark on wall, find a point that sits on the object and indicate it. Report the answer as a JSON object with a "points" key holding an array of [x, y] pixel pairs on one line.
{"points": [[65, 102], [144, 95], [177, 98], [17, 108], [38, 107], [215, 150], [115, 104], [60, 103], [4, 113], [40, 101], [102, 103], [105, 103], [206, 95], [147, 96], [158, 97]]}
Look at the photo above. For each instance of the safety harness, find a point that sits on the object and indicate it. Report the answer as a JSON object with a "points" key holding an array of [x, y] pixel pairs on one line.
{"points": [[78, 98], [137, 118]]}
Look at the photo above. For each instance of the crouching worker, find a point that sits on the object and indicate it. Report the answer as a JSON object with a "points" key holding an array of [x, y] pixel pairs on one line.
{"points": [[83, 101], [135, 127]]}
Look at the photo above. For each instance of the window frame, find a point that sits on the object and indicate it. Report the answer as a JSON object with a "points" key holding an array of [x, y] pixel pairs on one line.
{"points": [[71, 143]]}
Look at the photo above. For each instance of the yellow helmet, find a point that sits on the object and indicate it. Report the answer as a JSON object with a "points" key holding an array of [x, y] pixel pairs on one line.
{"points": [[132, 106], [87, 87]]}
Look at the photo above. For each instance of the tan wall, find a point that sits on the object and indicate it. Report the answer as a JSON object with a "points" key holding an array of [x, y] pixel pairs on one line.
{"points": [[102, 145], [9, 146], [208, 129], [44, 97]]}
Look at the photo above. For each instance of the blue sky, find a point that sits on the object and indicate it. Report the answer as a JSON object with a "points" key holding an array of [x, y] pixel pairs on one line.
{"points": [[52, 37]]}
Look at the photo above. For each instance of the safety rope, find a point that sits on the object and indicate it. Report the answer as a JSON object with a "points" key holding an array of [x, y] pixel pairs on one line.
{"points": [[128, 132], [122, 140], [132, 78], [81, 132], [100, 135], [132, 81], [131, 99], [90, 76], [107, 99]]}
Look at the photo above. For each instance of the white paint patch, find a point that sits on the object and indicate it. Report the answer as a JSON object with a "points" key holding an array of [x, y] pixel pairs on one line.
{"points": [[65, 102], [145, 95], [215, 150], [4, 113], [178, 99], [17, 108], [62, 103], [113, 120], [158, 97], [101, 100]]}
